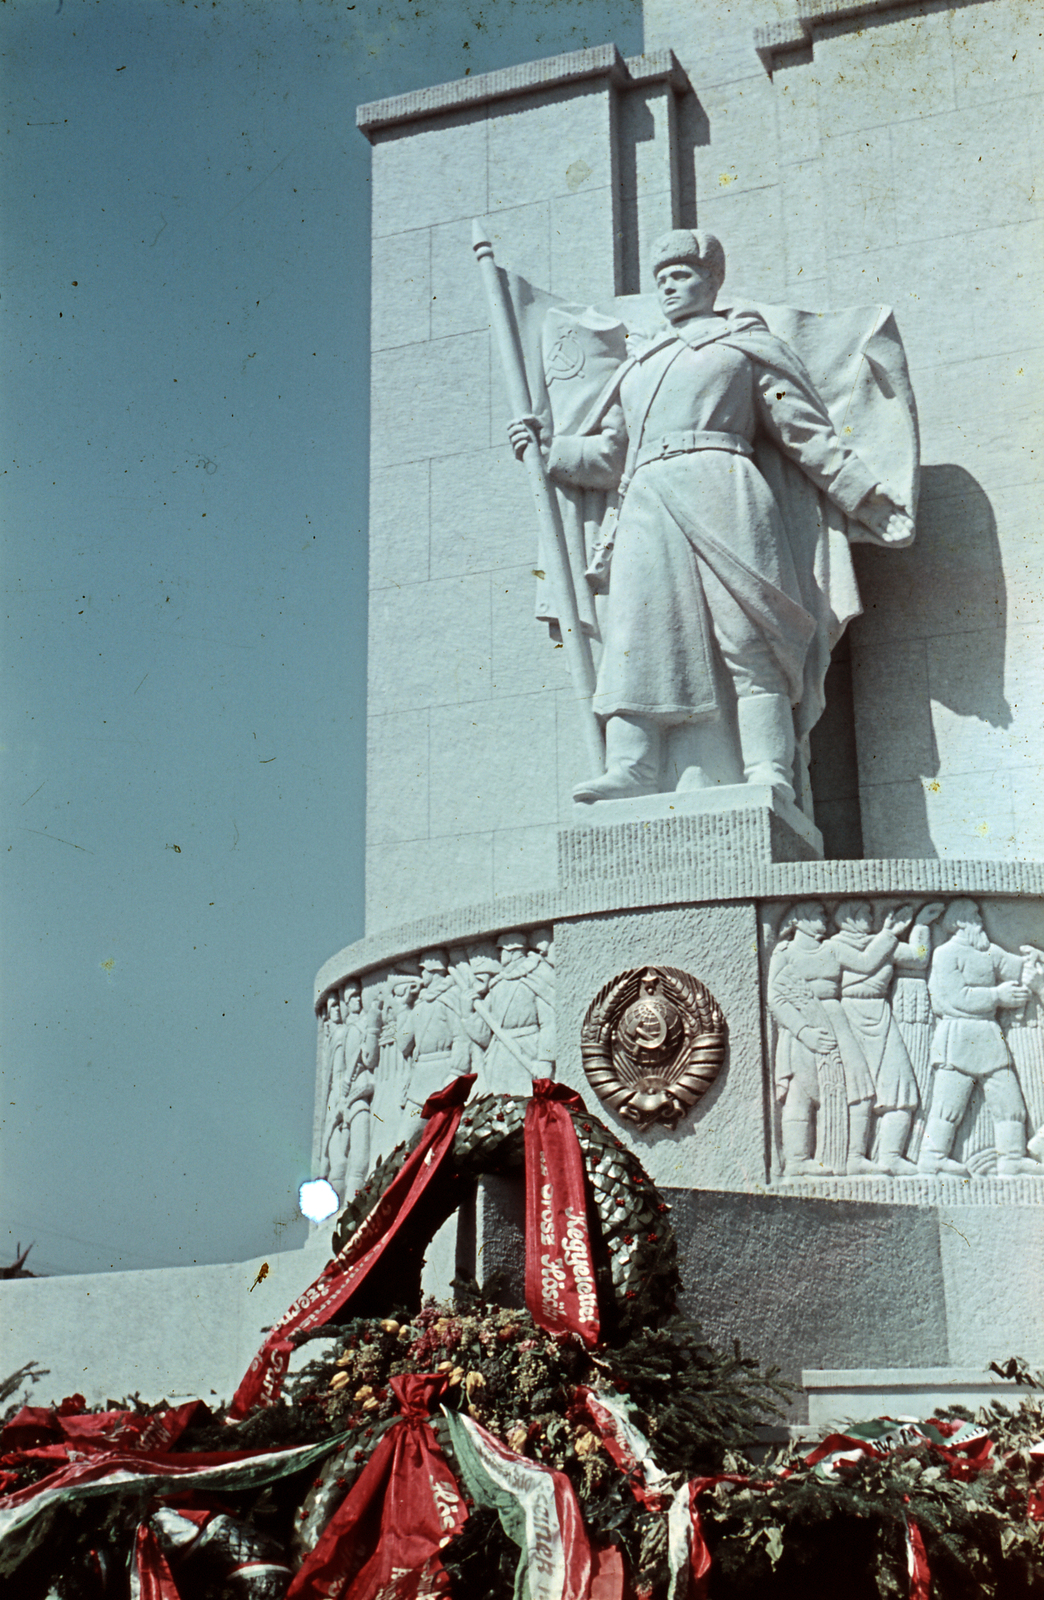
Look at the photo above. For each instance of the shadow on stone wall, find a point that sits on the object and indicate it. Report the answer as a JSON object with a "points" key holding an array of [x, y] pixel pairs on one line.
{"points": [[636, 126], [934, 629], [810, 1283]]}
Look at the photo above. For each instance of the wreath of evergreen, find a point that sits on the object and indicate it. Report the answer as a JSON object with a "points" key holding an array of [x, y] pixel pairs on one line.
{"points": [[776, 1526], [632, 1241]]}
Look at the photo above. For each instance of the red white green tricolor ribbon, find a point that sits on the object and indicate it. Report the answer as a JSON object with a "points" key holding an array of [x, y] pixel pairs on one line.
{"points": [[538, 1510], [627, 1445], [114, 1471]]}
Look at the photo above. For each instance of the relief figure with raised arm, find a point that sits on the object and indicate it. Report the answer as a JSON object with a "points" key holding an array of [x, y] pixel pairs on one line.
{"points": [[823, 1081], [865, 1000]]}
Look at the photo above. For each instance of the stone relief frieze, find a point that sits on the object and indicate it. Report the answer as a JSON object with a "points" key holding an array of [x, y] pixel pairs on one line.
{"points": [[350, 1036], [906, 1043], [652, 1043], [390, 1042]]}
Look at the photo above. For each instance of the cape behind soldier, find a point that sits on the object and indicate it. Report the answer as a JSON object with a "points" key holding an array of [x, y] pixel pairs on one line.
{"points": [[854, 360]]}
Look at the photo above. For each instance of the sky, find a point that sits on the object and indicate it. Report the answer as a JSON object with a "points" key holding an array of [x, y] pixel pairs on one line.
{"points": [[184, 312]]}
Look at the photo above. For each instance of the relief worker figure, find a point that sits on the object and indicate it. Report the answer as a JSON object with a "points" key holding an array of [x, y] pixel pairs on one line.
{"points": [[970, 982], [815, 1039], [703, 592], [865, 1003]]}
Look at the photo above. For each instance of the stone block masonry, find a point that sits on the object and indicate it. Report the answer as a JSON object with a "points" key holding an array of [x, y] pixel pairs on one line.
{"points": [[846, 154]]}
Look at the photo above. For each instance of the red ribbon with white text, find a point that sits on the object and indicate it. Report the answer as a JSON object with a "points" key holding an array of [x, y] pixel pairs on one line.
{"points": [[349, 1269], [383, 1541], [560, 1283]]}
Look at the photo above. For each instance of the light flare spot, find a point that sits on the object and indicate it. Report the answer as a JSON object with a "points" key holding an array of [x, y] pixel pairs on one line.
{"points": [[318, 1199]]}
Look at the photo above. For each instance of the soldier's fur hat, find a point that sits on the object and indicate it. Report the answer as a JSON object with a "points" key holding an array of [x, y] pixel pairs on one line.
{"points": [[698, 248]]}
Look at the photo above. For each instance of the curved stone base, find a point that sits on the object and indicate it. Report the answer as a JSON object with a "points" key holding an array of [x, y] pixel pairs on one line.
{"points": [[924, 1190]]}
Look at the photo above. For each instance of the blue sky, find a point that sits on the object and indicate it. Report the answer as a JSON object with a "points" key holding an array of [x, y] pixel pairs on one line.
{"points": [[184, 304]]}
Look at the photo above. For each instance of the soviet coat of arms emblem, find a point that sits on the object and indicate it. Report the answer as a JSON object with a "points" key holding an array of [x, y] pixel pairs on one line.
{"points": [[652, 1043]]}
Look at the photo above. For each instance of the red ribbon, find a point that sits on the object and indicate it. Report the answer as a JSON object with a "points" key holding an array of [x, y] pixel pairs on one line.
{"points": [[608, 1573], [385, 1537], [349, 1269], [44, 1432], [605, 1425], [151, 1577], [700, 1560], [560, 1282], [917, 1563], [699, 1554]]}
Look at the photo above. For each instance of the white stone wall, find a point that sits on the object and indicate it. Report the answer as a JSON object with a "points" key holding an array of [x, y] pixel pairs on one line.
{"points": [[172, 1333], [473, 740], [896, 155], [888, 157]]}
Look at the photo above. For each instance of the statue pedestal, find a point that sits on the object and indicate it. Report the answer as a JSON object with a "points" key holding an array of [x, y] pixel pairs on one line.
{"points": [[715, 831], [835, 1396]]}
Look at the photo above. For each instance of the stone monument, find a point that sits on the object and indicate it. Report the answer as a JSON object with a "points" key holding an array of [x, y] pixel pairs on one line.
{"points": [[740, 837]]}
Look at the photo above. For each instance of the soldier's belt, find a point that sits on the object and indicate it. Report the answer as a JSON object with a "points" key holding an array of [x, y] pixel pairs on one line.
{"points": [[688, 440]]}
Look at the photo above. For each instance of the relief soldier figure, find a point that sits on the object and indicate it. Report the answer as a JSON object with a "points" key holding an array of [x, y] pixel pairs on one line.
{"points": [[347, 1154], [518, 1016], [819, 1058], [332, 1058], [398, 995]]}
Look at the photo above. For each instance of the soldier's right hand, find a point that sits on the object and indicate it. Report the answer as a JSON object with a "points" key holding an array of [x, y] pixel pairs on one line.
{"points": [[523, 432], [1011, 994]]}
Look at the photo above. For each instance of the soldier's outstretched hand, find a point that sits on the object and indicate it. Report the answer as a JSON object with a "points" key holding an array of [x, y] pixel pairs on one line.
{"points": [[880, 513]]}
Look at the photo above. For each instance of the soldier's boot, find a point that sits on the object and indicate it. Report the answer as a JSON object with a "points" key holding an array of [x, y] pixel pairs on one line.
{"points": [[1035, 1146], [936, 1145], [859, 1117], [1012, 1160], [766, 734], [895, 1131], [632, 761], [796, 1138]]}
